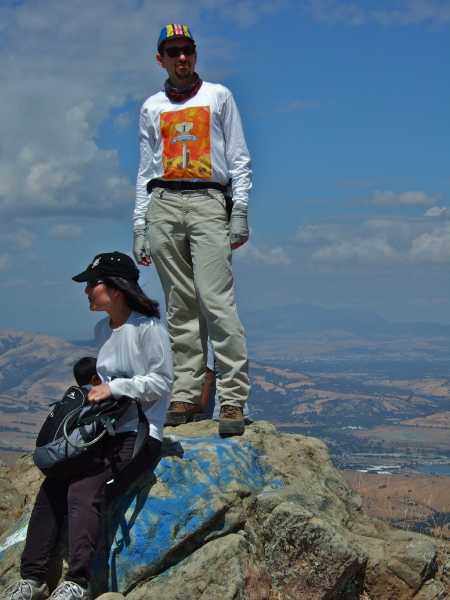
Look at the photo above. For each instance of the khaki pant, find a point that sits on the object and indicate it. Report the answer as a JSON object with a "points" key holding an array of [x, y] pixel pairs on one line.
{"points": [[190, 247]]}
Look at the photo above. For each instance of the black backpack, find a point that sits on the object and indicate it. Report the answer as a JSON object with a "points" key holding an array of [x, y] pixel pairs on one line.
{"points": [[71, 437]]}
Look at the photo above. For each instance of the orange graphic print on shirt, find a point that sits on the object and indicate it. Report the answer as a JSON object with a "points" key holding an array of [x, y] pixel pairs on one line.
{"points": [[186, 143]]}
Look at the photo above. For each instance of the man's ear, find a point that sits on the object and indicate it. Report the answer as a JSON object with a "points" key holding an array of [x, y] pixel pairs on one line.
{"points": [[159, 60]]}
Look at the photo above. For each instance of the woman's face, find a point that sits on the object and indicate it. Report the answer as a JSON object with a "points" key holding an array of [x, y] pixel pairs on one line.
{"points": [[99, 296]]}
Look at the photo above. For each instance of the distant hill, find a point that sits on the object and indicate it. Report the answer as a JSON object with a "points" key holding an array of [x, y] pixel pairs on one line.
{"points": [[286, 396], [35, 370], [301, 318], [312, 330]]}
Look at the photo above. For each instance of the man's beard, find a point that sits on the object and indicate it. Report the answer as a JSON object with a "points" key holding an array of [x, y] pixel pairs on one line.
{"points": [[184, 74]]}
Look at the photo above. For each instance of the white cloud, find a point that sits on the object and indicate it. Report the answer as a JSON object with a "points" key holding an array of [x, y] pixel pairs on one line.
{"points": [[59, 81], [5, 262], [14, 283], [17, 240], [355, 182], [431, 302], [333, 11], [411, 12], [250, 253], [388, 12], [390, 198], [383, 243], [312, 235], [374, 250], [247, 12], [64, 66], [17, 247], [438, 212], [344, 244], [66, 232], [432, 247], [123, 121]]}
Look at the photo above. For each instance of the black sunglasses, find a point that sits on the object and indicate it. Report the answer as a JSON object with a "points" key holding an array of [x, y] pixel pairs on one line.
{"points": [[92, 283], [175, 52]]}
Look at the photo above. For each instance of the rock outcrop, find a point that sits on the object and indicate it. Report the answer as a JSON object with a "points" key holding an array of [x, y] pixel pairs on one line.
{"points": [[264, 516]]}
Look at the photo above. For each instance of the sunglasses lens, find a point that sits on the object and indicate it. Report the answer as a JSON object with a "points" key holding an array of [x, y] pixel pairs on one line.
{"points": [[175, 52], [92, 283]]}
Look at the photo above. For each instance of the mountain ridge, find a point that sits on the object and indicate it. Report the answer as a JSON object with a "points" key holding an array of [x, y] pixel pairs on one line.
{"points": [[306, 317], [307, 330]]}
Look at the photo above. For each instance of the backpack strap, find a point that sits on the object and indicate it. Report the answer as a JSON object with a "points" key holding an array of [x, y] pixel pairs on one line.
{"points": [[109, 425], [66, 434], [141, 439], [143, 430]]}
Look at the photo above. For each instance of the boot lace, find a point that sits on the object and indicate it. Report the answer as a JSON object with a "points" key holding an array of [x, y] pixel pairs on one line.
{"points": [[20, 590], [68, 590]]}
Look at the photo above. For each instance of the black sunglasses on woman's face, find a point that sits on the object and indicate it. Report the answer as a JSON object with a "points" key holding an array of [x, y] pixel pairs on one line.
{"points": [[175, 51], [92, 283]]}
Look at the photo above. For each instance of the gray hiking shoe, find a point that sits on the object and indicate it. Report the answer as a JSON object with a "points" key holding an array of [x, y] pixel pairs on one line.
{"points": [[25, 589], [231, 420], [68, 590], [180, 413]]}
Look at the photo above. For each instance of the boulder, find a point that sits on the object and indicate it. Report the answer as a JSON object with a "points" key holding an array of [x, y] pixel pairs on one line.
{"points": [[27, 478], [221, 569], [261, 516], [18, 488], [10, 504]]}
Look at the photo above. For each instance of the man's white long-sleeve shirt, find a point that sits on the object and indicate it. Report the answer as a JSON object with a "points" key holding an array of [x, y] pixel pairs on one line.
{"points": [[199, 139]]}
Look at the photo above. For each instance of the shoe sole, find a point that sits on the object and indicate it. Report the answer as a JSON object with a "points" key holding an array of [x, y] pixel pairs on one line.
{"points": [[231, 428], [181, 419]]}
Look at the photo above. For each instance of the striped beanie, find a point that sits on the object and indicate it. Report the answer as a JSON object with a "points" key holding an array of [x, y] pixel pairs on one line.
{"points": [[171, 32]]}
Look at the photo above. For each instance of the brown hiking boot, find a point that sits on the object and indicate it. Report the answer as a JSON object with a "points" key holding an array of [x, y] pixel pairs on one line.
{"points": [[183, 412], [231, 420]]}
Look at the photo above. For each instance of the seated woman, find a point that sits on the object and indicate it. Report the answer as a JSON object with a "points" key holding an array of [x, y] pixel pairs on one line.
{"points": [[134, 360]]}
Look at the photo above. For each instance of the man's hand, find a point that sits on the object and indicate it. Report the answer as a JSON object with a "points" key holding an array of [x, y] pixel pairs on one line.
{"points": [[141, 246], [99, 393], [238, 226]]}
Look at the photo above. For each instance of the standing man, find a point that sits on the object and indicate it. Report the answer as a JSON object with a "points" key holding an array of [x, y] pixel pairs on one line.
{"points": [[191, 142]]}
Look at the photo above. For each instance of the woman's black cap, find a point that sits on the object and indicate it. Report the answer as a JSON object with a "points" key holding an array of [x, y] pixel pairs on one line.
{"points": [[110, 264]]}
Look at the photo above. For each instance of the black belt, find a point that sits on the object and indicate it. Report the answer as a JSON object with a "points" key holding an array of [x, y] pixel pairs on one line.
{"points": [[181, 186]]}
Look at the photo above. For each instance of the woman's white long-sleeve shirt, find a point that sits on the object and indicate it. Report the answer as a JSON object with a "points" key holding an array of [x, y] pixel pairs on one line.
{"points": [[136, 360]]}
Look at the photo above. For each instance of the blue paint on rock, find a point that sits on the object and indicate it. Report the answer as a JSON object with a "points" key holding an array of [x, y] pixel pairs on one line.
{"points": [[169, 516], [189, 497]]}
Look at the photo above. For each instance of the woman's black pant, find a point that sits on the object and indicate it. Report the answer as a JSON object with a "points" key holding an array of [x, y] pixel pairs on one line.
{"points": [[80, 499]]}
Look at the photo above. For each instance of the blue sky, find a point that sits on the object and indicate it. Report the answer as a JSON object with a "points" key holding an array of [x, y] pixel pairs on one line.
{"points": [[345, 107]]}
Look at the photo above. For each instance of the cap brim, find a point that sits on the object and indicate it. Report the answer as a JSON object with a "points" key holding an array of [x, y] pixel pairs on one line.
{"points": [[83, 276]]}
